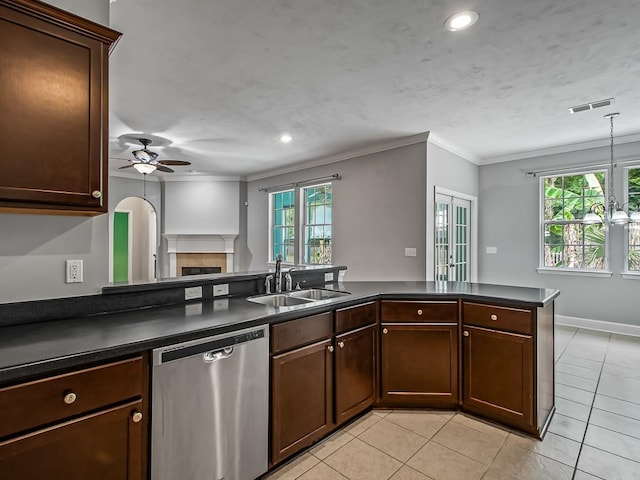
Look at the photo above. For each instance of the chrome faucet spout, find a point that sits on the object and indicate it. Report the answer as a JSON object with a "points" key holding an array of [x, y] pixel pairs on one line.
{"points": [[278, 274], [288, 281]]}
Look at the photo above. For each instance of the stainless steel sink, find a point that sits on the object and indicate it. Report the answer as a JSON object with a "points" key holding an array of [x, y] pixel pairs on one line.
{"points": [[296, 297], [279, 300], [316, 294]]}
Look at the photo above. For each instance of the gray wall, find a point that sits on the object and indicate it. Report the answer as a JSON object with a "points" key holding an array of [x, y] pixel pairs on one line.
{"points": [[509, 220], [202, 207], [33, 248], [378, 210], [446, 170]]}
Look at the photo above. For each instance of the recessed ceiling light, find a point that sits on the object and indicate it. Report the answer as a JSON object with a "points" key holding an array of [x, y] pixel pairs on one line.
{"points": [[285, 138], [461, 20]]}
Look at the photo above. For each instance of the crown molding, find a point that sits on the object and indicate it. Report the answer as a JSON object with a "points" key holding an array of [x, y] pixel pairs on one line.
{"points": [[202, 178], [133, 176], [338, 157], [573, 147], [176, 178], [450, 147]]}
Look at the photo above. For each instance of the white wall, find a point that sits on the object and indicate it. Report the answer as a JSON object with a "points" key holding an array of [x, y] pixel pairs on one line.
{"points": [[202, 207], [446, 170], [378, 210], [509, 220], [95, 10]]}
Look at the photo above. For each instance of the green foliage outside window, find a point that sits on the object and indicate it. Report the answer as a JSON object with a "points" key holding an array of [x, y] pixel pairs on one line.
{"points": [[568, 243], [317, 232]]}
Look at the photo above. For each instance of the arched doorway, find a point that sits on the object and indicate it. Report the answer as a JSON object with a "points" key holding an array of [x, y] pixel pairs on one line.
{"points": [[135, 242]]}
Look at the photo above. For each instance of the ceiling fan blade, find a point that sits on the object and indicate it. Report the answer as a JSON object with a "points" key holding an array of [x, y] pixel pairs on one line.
{"points": [[162, 168], [174, 162], [126, 166]]}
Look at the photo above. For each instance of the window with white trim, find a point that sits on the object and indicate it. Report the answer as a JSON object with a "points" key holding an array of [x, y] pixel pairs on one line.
{"points": [[316, 241], [633, 239], [283, 225], [301, 230], [566, 242]]}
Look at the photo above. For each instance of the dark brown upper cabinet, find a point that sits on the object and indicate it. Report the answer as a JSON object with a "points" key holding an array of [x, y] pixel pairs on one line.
{"points": [[54, 101]]}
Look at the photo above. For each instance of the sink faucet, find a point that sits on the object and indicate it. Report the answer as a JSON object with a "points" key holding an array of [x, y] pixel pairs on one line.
{"points": [[267, 284], [278, 274], [288, 281]]}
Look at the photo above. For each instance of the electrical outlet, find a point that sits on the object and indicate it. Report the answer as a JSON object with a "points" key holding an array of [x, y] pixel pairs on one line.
{"points": [[328, 277], [74, 271], [220, 290], [191, 293]]}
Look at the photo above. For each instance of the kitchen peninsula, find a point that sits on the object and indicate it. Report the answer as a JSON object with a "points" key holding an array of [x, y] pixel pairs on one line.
{"points": [[487, 349]]}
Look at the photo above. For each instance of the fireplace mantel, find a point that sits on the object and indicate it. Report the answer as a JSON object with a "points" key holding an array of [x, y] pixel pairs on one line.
{"points": [[199, 243]]}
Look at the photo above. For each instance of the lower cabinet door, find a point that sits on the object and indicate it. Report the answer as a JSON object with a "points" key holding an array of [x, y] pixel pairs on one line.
{"points": [[107, 445], [301, 398], [355, 372], [498, 375], [419, 365]]}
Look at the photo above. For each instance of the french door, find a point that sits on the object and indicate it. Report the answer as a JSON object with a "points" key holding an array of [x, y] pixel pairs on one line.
{"points": [[452, 234]]}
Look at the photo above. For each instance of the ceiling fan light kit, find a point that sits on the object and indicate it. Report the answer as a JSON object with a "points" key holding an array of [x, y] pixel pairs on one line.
{"points": [[146, 161]]}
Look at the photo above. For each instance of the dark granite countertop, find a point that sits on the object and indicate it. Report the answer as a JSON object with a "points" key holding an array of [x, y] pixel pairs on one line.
{"points": [[31, 350]]}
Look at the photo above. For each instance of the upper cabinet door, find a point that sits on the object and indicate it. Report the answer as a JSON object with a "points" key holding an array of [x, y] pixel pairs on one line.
{"points": [[54, 101]]}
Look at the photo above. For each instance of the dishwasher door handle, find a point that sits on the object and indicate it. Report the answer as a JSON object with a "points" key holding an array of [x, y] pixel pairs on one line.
{"points": [[215, 355]]}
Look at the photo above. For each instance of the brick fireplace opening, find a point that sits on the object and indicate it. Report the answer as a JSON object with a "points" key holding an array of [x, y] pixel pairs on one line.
{"points": [[197, 263], [199, 250]]}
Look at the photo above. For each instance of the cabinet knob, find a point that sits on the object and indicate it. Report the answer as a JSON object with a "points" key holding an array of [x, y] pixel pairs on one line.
{"points": [[96, 194], [136, 416], [465, 333], [384, 330], [70, 397], [341, 344], [494, 316], [330, 347], [419, 312]]}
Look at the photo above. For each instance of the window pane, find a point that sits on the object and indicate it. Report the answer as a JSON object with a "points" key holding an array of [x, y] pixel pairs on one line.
{"points": [[567, 242], [283, 225], [317, 229]]}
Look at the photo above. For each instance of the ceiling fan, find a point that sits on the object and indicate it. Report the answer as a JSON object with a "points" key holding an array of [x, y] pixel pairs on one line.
{"points": [[145, 161]]}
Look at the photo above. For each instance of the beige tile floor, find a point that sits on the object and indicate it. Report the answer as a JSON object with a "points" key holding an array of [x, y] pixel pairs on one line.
{"points": [[594, 434]]}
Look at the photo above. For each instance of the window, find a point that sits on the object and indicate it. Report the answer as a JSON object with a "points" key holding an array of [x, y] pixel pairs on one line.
{"points": [[317, 224], [311, 235], [283, 225], [633, 199], [567, 243]]}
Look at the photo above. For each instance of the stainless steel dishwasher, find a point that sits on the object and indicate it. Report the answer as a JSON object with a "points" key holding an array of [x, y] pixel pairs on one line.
{"points": [[210, 408]]}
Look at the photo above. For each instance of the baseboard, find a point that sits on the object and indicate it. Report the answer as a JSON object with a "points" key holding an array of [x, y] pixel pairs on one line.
{"points": [[611, 327]]}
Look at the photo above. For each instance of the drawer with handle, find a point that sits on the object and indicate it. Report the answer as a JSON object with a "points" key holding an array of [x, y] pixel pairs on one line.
{"points": [[501, 318], [41, 402], [423, 312]]}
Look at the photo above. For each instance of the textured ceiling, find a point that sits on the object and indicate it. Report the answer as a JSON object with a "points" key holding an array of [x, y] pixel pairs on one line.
{"points": [[222, 79]]}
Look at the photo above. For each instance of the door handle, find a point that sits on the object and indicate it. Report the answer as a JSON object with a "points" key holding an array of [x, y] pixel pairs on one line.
{"points": [[215, 355]]}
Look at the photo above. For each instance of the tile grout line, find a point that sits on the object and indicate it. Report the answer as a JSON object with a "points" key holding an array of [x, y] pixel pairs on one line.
{"points": [[584, 435]]}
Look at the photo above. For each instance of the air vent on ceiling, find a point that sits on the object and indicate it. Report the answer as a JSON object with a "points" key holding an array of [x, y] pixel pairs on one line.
{"points": [[591, 105]]}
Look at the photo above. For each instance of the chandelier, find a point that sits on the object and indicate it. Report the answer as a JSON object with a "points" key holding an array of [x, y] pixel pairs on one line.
{"points": [[612, 213]]}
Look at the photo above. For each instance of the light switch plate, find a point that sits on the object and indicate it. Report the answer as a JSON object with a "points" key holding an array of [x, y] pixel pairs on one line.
{"points": [[221, 290], [191, 293], [491, 250], [409, 252], [328, 277]]}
